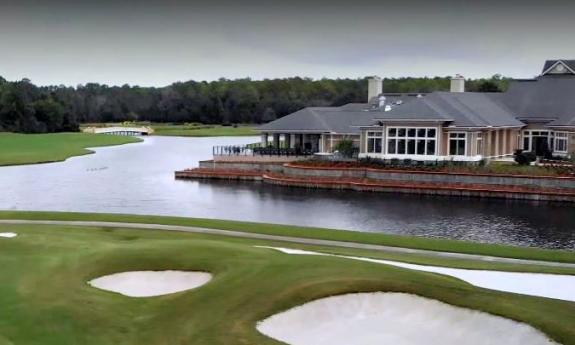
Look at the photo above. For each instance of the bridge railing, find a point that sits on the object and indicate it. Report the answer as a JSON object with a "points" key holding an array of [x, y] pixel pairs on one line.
{"points": [[119, 130]]}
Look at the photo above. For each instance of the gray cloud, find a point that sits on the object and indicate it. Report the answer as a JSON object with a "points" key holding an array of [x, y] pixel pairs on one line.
{"points": [[159, 42]]}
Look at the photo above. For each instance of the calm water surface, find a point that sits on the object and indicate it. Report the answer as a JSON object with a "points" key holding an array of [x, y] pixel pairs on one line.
{"points": [[138, 178]]}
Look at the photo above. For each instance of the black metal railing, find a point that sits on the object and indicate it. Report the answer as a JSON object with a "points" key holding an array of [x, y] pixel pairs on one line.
{"points": [[250, 150]]}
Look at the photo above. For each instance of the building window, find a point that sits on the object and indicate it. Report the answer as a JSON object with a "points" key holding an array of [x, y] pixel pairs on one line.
{"points": [[411, 141], [526, 141], [561, 142], [457, 144], [479, 144], [374, 142]]}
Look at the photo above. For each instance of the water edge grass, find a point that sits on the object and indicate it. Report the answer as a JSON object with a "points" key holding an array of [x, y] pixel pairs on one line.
{"points": [[17, 149]]}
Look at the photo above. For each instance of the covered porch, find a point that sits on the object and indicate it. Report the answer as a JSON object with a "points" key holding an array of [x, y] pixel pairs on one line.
{"points": [[308, 142]]}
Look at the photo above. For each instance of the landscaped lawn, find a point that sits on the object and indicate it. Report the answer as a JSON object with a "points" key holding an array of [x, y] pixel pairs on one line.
{"points": [[41, 148], [44, 297], [200, 130]]}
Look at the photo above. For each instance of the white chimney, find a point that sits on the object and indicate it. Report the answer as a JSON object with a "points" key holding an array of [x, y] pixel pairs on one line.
{"points": [[381, 101], [458, 83], [374, 88]]}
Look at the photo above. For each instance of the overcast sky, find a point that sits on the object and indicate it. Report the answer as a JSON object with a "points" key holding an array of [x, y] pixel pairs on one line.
{"points": [[155, 43]]}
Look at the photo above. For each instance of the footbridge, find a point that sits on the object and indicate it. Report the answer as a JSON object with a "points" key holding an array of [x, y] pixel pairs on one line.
{"points": [[131, 131]]}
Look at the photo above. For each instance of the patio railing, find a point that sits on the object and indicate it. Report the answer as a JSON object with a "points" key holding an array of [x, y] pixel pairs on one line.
{"points": [[250, 150]]}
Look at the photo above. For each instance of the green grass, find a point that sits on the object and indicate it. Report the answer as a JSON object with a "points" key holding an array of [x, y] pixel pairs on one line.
{"points": [[45, 299], [199, 130], [187, 130], [315, 233], [516, 169], [18, 149]]}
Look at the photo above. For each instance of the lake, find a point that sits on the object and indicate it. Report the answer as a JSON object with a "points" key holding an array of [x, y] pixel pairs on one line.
{"points": [[139, 179]]}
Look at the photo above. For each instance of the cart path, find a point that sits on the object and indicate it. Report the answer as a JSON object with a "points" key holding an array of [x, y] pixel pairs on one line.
{"points": [[290, 239]]}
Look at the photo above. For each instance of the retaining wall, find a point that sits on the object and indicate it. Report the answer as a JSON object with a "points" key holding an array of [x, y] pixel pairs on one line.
{"points": [[545, 188], [430, 176], [458, 191]]}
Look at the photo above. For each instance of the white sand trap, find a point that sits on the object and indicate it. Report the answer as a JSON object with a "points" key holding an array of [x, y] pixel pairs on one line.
{"points": [[8, 234], [535, 284], [151, 283], [394, 318]]}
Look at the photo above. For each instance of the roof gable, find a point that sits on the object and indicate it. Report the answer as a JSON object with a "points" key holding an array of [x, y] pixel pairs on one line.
{"points": [[558, 67]]}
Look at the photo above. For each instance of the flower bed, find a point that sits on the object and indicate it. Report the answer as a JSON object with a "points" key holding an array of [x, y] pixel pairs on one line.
{"points": [[449, 167]]}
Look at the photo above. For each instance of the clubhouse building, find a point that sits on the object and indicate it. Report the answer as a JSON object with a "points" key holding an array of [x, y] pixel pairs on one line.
{"points": [[536, 115]]}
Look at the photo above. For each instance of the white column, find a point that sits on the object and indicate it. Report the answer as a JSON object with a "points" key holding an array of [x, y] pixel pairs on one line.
{"points": [[331, 143], [439, 142], [292, 141], [496, 143], [383, 141], [488, 147], [505, 141]]}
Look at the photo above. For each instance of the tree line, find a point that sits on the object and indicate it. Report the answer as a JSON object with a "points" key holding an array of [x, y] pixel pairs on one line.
{"points": [[27, 108]]}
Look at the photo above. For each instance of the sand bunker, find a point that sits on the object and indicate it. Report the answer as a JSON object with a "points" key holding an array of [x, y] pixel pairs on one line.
{"points": [[393, 318], [8, 234], [535, 284], [151, 283]]}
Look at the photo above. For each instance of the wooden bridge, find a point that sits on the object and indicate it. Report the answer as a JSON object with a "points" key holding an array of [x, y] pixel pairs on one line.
{"points": [[131, 131]]}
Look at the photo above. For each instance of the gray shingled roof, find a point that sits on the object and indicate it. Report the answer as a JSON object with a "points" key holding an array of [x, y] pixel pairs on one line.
{"points": [[549, 63], [551, 98], [323, 120], [395, 98], [355, 106], [345, 119], [462, 109]]}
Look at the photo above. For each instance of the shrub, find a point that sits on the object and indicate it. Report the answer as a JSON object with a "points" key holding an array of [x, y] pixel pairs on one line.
{"points": [[524, 158], [345, 148]]}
